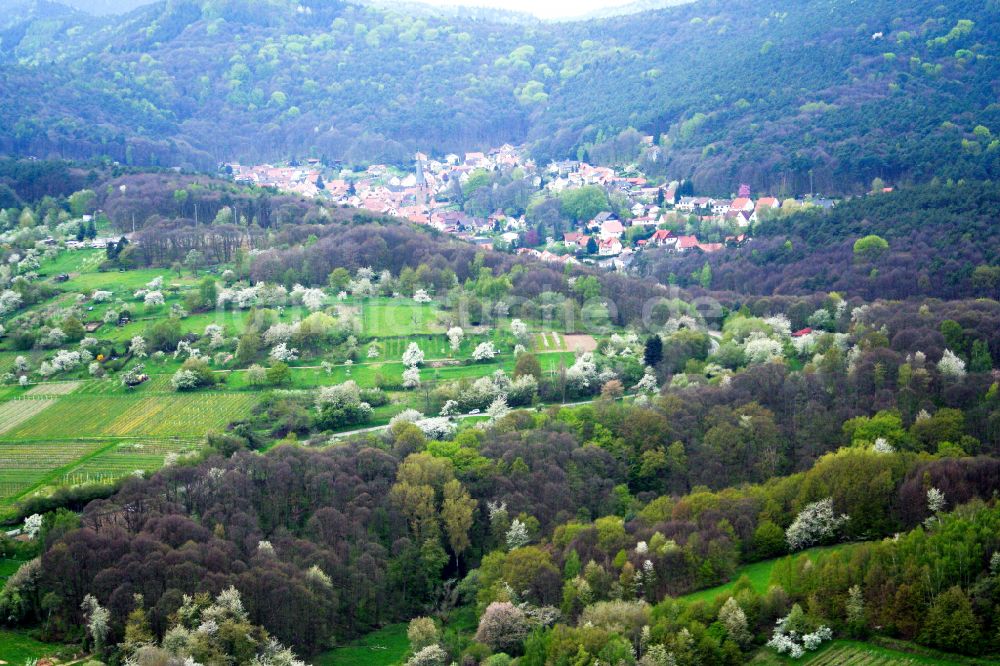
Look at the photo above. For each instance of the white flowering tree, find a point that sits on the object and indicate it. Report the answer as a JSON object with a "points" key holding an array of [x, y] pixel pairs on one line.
{"points": [[732, 617], [951, 366], [153, 299], [815, 523], [10, 300], [282, 352], [413, 356], [421, 296], [436, 427], [455, 337], [517, 535], [519, 329], [313, 299], [583, 373], [100, 296], [411, 377], [498, 409], [32, 525], [648, 383], [760, 349], [792, 635], [484, 351], [98, 621]]}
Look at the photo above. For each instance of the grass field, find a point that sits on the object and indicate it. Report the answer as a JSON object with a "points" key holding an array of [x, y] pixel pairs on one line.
{"points": [[17, 647], [384, 647], [397, 317], [759, 574]]}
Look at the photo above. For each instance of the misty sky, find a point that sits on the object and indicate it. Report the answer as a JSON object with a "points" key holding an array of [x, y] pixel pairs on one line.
{"points": [[548, 9]]}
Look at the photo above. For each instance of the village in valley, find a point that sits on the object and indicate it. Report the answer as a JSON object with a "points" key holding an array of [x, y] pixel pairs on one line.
{"points": [[641, 212]]}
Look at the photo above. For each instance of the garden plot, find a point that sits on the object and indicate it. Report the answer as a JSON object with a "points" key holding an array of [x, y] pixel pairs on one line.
{"points": [[126, 458], [15, 412], [578, 342], [23, 466]]}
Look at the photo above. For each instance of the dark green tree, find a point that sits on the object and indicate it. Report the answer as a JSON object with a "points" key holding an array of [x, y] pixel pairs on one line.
{"points": [[653, 353]]}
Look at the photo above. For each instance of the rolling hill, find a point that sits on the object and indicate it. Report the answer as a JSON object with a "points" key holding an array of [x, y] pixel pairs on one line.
{"points": [[766, 92]]}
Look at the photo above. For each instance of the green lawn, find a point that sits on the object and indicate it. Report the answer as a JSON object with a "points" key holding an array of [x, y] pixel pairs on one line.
{"points": [[384, 647], [8, 567], [17, 647], [398, 317], [759, 574]]}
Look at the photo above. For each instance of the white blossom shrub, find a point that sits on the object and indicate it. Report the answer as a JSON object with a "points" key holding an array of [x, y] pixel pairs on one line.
{"points": [[406, 416], [437, 427], [503, 626], [282, 352], [882, 445], [184, 380], [815, 523], [432, 655], [519, 329], [791, 639], [280, 332], [759, 348], [583, 373], [421, 296], [10, 300], [32, 525], [100, 296], [313, 299], [648, 383], [411, 377], [373, 350], [455, 336], [155, 284], [485, 351], [450, 408], [53, 338], [138, 346], [153, 299]]}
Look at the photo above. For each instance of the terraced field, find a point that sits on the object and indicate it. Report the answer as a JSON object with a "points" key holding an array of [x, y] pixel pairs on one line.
{"points": [[26, 465], [92, 431], [15, 412], [853, 653], [180, 415], [124, 458]]}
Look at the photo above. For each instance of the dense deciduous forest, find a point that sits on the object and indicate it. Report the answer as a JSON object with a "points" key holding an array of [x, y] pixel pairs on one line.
{"points": [[776, 94], [940, 239]]}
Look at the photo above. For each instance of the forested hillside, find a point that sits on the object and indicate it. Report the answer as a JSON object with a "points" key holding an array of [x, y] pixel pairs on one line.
{"points": [[938, 240], [768, 93]]}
